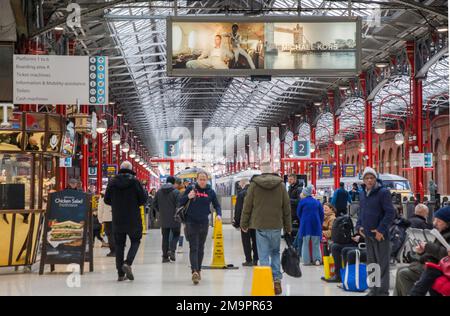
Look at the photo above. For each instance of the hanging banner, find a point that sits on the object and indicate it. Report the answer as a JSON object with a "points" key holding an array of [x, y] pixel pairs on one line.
{"points": [[349, 171], [45, 79], [326, 171], [110, 171], [301, 149]]}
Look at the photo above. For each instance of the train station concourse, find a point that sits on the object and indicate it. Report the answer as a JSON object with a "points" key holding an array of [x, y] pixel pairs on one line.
{"points": [[209, 150]]}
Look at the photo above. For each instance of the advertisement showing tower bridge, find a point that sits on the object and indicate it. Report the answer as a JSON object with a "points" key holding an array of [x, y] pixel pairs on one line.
{"points": [[310, 45]]}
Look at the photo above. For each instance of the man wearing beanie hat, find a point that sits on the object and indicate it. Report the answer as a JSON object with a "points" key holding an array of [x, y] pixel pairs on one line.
{"points": [[376, 217], [414, 279]]}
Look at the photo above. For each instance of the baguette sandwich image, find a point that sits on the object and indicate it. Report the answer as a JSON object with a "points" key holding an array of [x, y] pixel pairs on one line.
{"points": [[66, 231]]}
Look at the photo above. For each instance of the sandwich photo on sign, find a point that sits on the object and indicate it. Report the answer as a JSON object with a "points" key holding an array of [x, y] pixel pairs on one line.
{"points": [[67, 233]]}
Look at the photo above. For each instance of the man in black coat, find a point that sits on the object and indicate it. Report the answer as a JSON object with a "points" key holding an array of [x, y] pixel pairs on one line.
{"points": [[295, 189], [126, 195], [165, 203], [248, 238], [419, 220]]}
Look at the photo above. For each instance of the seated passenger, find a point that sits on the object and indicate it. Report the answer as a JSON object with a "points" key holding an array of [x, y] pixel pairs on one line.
{"points": [[215, 58], [330, 216], [340, 252], [429, 252], [419, 220]]}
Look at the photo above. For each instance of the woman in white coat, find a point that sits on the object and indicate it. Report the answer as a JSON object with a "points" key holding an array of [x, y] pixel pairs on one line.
{"points": [[105, 218]]}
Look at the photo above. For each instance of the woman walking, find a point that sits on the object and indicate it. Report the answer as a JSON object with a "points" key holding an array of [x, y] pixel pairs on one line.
{"points": [[311, 215], [200, 197]]}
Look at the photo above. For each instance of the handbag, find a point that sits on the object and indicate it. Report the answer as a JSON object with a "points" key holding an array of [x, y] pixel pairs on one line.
{"points": [[444, 264], [181, 212], [355, 275], [290, 259]]}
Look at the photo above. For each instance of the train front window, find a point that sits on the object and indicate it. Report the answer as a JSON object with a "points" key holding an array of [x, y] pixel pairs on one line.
{"points": [[397, 185]]}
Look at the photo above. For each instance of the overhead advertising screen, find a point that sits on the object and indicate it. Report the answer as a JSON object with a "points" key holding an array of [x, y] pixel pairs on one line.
{"points": [[280, 46]]}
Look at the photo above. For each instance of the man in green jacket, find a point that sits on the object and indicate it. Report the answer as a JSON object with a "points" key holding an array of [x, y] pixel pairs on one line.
{"points": [[267, 208]]}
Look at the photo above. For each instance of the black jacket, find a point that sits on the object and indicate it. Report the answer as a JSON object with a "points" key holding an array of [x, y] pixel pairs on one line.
{"points": [[435, 251], [239, 206], [200, 207], [419, 222], [126, 195], [294, 195], [165, 203]]}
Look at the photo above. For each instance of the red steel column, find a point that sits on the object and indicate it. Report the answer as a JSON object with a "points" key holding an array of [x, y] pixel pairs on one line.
{"points": [[85, 154], [336, 127], [99, 163], [61, 109], [368, 121], [109, 158], [313, 155], [281, 158], [416, 98]]}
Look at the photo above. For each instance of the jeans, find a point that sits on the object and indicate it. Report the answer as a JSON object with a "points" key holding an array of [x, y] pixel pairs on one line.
{"points": [[121, 239], [168, 243], [249, 245], [268, 242], [196, 234], [110, 235], [426, 281], [316, 253]]}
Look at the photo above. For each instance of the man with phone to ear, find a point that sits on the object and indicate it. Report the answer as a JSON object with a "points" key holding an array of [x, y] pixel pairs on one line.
{"points": [[376, 217]]}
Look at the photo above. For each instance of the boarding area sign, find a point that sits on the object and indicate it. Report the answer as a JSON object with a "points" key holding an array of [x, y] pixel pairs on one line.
{"points": [[43, 79]]}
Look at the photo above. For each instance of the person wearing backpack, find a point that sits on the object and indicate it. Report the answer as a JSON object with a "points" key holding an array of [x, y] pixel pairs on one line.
{"points": [[311, 215], [376, 217], [341, 199], [248, 238]]}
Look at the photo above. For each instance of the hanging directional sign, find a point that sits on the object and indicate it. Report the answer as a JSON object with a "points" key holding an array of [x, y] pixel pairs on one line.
{"points": [[171, 149], [301, 149]]}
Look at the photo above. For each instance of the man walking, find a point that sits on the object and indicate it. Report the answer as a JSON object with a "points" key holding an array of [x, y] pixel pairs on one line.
{"points": [[126, 195], [267, 209], [341, 199], [376, 217], [248, 238], [165, 204]]}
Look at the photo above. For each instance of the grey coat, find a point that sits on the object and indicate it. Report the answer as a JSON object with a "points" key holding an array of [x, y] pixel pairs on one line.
{"points": [[165, 203]]}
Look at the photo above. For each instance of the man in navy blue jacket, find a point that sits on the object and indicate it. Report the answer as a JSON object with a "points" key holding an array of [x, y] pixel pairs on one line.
{"points": [[201, 196], [376, 217]]}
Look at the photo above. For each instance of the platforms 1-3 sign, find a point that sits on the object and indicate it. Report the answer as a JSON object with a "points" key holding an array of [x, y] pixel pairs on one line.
{"points": [[301, 149], [42, 79]]}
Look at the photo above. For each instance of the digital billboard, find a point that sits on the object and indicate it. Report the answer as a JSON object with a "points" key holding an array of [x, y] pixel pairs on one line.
{"points": [[243, 46]]}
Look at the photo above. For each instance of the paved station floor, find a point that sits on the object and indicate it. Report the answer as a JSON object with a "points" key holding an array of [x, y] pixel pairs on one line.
{"points": [[155, 278]]}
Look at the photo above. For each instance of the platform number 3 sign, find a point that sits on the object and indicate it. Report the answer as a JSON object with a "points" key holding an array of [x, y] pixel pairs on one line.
{"points": [[301, 149], [74, 17]]}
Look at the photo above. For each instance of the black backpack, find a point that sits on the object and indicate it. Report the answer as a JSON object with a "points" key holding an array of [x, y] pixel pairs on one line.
{"points": [[290, 259], [342, 230], [397, 235]]}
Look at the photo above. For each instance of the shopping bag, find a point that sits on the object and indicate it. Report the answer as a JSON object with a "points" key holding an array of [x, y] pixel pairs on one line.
{"points": [[354, 276], [329, 267]]}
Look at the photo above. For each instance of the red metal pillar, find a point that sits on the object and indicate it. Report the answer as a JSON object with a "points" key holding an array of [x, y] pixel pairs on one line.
{"points": [[109, 159], [416, 98], [281, 158], [99, 163], [62, 183], [313, 155], [336, 127], [368, 121], [172, 168], [337, 170], [85, 154]]}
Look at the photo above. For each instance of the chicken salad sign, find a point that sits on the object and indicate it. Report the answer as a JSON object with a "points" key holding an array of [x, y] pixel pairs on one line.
{"points": [[66, 228], [46, 79]]}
